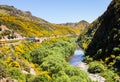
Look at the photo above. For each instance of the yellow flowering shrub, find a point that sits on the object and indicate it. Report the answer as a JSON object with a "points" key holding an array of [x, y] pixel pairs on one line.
{"points": [[107, 59], [7, 60], [112, 56], [14, 64], [85, 44]]}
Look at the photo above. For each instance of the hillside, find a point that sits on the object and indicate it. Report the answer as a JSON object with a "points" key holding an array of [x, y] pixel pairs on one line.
{"points": [[47, 60], [12, 11], [86, 35], [23, 23], [82, 25], [107, 36], [35, 62], [101, 43], [31, 61]]}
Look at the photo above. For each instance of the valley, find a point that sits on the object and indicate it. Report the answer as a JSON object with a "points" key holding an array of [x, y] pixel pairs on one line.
{"points": [[35, 50]]}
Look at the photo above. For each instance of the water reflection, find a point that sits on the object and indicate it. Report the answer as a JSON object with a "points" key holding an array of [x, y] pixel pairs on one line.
{"points": [[77, 57]]}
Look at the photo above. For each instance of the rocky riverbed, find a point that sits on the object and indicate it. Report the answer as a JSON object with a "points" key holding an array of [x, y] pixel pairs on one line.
{"points": [[94, 77]]}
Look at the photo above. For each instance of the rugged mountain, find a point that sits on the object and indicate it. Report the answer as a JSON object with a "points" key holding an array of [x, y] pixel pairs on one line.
{"points": [[106, 40], [80, 25], [86, 35], [101, 42], [24, 24], [69, 24]]}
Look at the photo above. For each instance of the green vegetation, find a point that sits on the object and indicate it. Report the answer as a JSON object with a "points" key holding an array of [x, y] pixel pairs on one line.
{"points": [[39, 78], [16, 73], [24, 27], [3, 69], [101, 44], [52, 59], [88, 59], [85, 37], [47, 59], [23, 23], [13, 73], [81, 25], [95, 67], [110, 76]]}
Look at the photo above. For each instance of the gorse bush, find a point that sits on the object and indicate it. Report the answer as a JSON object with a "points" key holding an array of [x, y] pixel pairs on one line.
{"points": [[3, 70], [117, 63], [47, 60], [95, 67], [29, 28], [51, 58], [38, 55], [110, 76], [16, 73], [88, 59], [40, 78]]}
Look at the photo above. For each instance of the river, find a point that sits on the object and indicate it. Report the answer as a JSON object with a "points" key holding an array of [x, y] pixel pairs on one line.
{"points": [[76, 60], [77, 57]]}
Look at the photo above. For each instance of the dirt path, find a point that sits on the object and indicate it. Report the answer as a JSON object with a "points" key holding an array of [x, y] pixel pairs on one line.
{"points": [[94, 77]]}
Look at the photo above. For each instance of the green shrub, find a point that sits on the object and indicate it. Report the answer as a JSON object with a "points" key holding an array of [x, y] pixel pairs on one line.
{"points": [[29, 77], [108, 75], [27, 55], [95, 67], [117, 63], [78, 79], [77, 75], [5, 32], [116, 49], [40, 78], [88, 59], [99, 51], [61, 76], [3, 70], [25, 66], [38, 54], [117, 59], [16, 73], [53, 64]]}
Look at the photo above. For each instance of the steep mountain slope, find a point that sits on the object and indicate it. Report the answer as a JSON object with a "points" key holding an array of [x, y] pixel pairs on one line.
{"points": [[106, 40], [101, 42], [80, 25], [86, 35], [24, 24]]}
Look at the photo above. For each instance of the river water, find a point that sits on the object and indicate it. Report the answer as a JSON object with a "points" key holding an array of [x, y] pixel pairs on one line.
{"points": [[77, 57]]}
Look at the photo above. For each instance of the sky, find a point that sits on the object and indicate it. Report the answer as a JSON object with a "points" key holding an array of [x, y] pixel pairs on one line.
{"points": [[62, 11]]}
